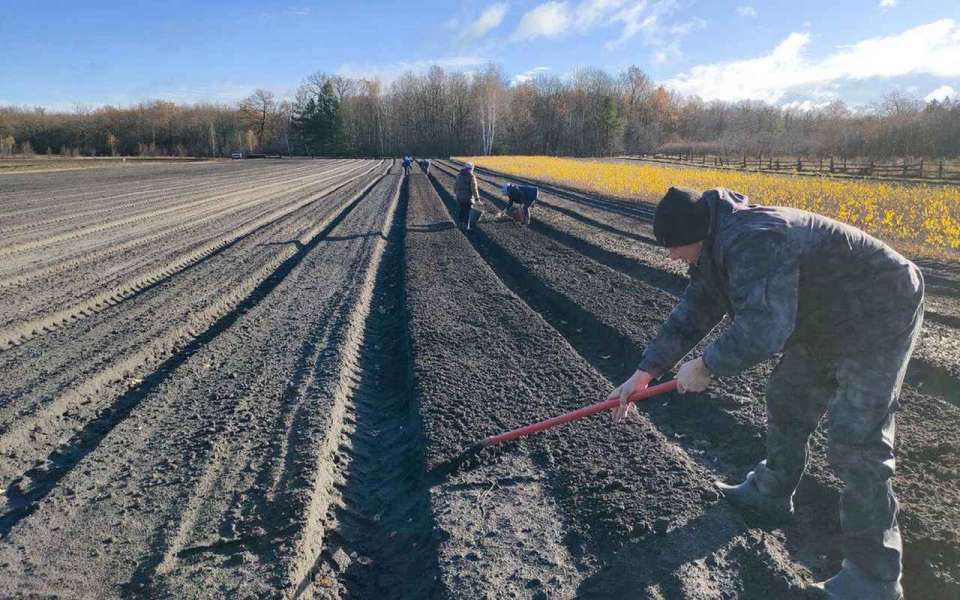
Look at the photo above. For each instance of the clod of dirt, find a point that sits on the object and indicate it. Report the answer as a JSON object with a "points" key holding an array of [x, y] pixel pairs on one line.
{"points": [[341, 559]]}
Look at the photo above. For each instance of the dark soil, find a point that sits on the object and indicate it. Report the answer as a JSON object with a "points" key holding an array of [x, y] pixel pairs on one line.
{"points": [[608, 313], [252, 379], [635, 513]]}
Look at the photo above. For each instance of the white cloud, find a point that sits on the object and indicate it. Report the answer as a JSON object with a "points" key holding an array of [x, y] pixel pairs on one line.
{"points": [[549, 20], [634, 19], [528, 75], [931, 49], [805, 105], [488, 20], [887, 4], [595, 12], [386, 73], [941, 93], [746, 11], [645, 18]]}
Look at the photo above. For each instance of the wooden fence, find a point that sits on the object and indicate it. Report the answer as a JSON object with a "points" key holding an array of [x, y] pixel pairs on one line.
{"points": [[830, 166]]}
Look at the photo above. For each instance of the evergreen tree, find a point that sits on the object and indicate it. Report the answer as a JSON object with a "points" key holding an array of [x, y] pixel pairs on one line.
{"points": [[318, 124]]}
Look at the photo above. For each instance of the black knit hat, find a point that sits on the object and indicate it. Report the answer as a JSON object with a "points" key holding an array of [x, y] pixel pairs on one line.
{"points": [[682, 217]]}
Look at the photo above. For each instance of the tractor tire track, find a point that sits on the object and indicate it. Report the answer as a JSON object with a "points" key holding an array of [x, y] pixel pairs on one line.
{"points": [[56, 394], [100, 227], [18, 333], [169, 191], [188, 485]]}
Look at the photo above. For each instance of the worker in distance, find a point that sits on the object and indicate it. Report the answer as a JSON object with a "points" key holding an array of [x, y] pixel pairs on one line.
{"points": [[844, 309]]}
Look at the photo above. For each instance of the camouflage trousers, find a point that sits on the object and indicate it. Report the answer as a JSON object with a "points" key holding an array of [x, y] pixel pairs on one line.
{"points": [[857, 385]]}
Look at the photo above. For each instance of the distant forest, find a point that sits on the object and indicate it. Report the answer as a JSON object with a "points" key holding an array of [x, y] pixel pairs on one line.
{"points": [[442, 113]]}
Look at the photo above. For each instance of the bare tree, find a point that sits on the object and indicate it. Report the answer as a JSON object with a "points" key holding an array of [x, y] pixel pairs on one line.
{"points": [[491, 88], [256, 111]]}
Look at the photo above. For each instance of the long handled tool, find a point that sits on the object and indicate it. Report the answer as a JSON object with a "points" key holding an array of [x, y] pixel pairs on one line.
{"points": [[580, 413], [456, 462]]}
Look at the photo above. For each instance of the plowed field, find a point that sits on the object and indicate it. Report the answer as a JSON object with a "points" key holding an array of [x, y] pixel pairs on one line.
{"points": [[253, 379]]}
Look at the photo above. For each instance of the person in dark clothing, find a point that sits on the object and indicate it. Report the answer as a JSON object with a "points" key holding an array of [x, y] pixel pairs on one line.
{"points": [[525, 196], [425, 166], [407, 162], [467, 194], [845, 310]]}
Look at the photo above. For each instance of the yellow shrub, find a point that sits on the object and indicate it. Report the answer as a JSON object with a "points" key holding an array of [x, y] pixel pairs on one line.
{"points": [[917, 216]]}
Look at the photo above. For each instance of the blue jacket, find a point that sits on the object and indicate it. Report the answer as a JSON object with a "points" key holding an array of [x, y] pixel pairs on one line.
{"points": [[523, 194]]}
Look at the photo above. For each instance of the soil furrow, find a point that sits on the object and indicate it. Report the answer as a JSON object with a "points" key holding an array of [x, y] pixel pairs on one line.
{"points": [[597, 235], [101, 227], [378, 526], [188, 488], [72, 198], [145, 200], [57, 393], [17, 273], [636, 513], [24, 492], [934, 361], [597, 310], [18, 333]]}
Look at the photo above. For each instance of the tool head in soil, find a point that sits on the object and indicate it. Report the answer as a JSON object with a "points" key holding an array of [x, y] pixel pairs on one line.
{"points": [[470, 457]]}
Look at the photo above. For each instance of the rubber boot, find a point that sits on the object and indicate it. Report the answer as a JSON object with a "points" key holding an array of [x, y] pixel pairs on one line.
{"points": [[852, 584], [747, 495]]}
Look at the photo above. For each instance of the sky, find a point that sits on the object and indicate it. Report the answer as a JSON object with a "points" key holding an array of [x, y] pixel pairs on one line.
{"points": [[801, 53]]}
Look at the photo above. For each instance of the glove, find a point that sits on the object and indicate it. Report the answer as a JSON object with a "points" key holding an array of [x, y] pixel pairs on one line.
{"points": [[638, 381], [693, 376]]}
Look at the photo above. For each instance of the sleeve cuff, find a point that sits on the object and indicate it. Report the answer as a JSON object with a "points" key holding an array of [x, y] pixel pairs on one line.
{"points": [[711, 358]]}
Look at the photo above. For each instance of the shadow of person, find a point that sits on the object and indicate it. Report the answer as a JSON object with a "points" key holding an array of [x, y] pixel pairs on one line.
{"points": [[296, 244], [432, 227], [714, 555]]}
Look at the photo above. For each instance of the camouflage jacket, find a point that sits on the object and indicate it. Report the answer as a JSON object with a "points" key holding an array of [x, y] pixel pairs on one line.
{"points": [[465, 188], [784, 276]]}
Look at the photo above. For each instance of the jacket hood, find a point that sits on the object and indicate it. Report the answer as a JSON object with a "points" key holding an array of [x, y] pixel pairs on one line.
{"points": [[723, 202]]}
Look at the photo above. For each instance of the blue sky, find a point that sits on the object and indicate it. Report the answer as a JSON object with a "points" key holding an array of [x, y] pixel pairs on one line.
{"points": [[803, 53]]}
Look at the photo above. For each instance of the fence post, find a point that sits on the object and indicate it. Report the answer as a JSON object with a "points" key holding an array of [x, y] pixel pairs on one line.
{"points": [[870, 168], [844, 165], [921, 168], [940, 170], [820, 168], [744, 161], [904, 167], [799, 165], [831, 164]]}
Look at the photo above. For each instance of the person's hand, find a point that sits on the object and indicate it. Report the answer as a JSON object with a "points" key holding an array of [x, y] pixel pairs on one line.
{"points": [[638, 381], [693, 376]]}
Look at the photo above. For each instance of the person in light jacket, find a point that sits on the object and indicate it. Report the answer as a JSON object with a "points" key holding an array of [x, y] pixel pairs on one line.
{"points": [[467, 193]]}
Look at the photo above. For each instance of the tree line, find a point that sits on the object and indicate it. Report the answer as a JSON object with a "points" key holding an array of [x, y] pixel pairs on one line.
{"points": [[442, 113]]}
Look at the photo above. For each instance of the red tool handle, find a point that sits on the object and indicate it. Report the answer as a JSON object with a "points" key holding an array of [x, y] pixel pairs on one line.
{"points": [[586, 411]]}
